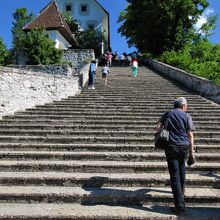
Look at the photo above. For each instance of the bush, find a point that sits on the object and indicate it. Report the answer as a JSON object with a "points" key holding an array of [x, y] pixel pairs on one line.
{"points": [[4, 54], [40, 49], [200, 58]]}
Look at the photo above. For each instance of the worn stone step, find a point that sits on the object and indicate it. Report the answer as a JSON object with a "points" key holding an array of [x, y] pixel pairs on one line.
{"points": [[44, 211], [158, 97], [148, 108], [104, 155], [101, 166], [104, 117], [89, 133], [96, 147], [79, 127], [126, 102], [97, 133], [94, 122], [202, 180], [140, 105], [107, 114], [105, 195], [112, 93], [135, 87], [94, 127], [92, 139]]}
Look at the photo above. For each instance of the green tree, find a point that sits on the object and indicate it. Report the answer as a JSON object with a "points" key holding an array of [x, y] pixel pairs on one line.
{"points": [[72, 23], [155, 26], [87, 39], [91, 39], [39, 49], [5, 57], [21, 18]]}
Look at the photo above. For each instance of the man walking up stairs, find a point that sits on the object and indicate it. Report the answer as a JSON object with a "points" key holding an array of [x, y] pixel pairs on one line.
{"points": [[92, 157]]}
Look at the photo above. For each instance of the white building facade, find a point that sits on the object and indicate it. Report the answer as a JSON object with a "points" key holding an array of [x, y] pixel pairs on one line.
{"points": [[58, 39], [88, 14]]}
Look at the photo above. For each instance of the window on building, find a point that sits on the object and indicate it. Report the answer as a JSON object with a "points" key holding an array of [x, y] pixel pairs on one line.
{"points": [[83, 9], [68, 8]]}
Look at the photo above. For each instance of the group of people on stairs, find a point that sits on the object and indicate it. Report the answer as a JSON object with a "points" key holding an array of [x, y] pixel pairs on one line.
{"points": [[106, 70]]}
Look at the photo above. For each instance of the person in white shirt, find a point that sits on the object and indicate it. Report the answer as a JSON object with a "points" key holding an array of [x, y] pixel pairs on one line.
{"points": [[105, 72], [122, 59]]}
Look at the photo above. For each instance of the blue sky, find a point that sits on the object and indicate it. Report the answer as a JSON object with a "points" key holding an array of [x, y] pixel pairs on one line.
{"points": [[8, 7]]}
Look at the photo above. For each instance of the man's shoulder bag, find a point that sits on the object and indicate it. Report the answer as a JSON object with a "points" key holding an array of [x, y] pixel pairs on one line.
{"points": [[162, 136]]}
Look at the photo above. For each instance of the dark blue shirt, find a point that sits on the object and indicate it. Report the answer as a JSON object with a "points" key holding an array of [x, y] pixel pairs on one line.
{"points": [[179, 123]]}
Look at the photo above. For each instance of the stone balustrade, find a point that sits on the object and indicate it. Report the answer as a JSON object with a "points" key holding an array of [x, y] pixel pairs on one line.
{"points": [[200, 85]]}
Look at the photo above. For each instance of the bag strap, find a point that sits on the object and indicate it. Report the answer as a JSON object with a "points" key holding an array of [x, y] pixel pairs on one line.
{"points": [[166, 121]]}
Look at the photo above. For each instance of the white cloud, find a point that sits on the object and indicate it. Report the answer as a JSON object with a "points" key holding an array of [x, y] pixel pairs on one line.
{"points": [[203, 18], [208, 11]]}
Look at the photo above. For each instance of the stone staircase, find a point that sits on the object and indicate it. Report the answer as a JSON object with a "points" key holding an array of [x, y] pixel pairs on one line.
{"points": [[92, 156]]}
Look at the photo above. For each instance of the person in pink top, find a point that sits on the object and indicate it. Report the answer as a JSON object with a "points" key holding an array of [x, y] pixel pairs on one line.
{"points": [[109, 59]]}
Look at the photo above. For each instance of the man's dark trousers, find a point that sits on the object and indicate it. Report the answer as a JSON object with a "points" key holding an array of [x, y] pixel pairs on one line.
{"points": [[176, 164]]}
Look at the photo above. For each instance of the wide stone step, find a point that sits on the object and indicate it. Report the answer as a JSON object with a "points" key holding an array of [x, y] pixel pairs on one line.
{"points": [[105, 195], [132, 93], [112, 96], [78, 127], [104, 155], [42, 211], [107, 114], [124, 110], [149, 108], [140, 105], [92, 139], [104, 117], [126, 102], [96, 147], [94, 127], [101, 166], [104, 179], [94, 122], [97, 133]]}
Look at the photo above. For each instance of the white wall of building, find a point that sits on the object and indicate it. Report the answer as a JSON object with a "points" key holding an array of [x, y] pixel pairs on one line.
{"points": [[93, 16], [60, 41]]}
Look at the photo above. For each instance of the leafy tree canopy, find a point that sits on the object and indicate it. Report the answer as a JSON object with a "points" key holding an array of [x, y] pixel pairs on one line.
{"points": [[154, 26], [5, 57], [39, 49], [21, 18], [200, 58], [37, 46]]}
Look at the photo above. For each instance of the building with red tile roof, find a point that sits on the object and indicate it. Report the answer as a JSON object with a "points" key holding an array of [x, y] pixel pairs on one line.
{"points": [[56, 27]]}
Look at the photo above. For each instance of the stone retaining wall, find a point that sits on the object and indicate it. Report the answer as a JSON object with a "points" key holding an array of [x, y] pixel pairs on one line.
{"points": [[21, 89], [26, 86], [64, 69], [79, 58], [200, 85]]}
